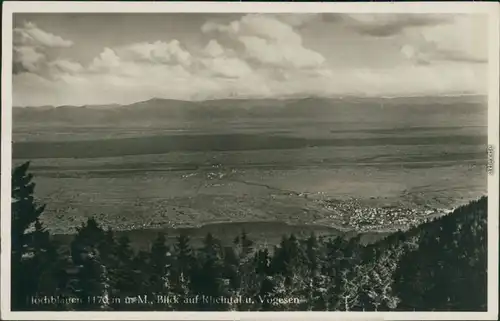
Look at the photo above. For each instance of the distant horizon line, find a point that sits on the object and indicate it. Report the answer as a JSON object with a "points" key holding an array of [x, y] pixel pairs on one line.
{"points": [[289, 97]]}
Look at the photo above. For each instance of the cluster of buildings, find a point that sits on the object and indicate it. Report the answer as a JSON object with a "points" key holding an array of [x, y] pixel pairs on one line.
{"points": [[354, 215]]}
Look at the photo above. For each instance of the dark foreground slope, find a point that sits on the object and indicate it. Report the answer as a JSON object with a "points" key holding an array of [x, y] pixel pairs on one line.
{"points": [[448, 269], [440, 265]]}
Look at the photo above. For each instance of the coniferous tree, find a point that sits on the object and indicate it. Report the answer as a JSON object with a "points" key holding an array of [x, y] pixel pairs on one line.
{"points": [[124, 284], [246, 277], [182, 271], [208, 280], [246, 244], [314, 292], [92, 282], [231, 270], [141, 271], [287, 258], [312, 253], [160, 266], [263, 262], [33, 253], [47, 267], [332, 269]]}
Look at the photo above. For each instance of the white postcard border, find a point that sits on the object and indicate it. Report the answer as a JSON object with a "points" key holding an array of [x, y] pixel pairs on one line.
{"points": [[491, 9]]}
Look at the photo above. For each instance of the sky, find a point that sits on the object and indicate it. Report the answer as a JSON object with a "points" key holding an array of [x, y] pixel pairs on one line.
{"points": [[116, 58]]}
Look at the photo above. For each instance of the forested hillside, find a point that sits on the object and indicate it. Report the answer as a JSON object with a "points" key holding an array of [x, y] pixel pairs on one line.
{"points": [[439, 265]]}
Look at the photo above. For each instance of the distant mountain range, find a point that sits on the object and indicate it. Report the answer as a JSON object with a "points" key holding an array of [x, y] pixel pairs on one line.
{"points": [[155, 110]]}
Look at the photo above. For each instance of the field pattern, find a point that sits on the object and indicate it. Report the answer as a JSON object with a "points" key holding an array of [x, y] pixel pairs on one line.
{"points": [[309, 170]]}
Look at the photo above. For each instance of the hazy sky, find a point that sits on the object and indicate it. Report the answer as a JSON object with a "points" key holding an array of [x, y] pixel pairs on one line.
{"points": [[93, 58]]}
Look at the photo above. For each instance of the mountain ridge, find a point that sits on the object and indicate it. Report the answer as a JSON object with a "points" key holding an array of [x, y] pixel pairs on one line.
{"points": [[241, 99], [161, 112]]}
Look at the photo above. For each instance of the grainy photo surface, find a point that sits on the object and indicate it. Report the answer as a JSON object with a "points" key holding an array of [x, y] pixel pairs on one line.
{"points": [[249, 162]]}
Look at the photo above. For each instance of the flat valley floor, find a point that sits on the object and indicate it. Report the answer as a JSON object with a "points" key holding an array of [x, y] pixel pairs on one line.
{"points": [[365, 168]]}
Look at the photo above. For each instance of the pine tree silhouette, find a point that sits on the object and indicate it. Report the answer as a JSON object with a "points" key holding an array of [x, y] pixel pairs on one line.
{"points": [[208, 279], [183, 266], [33, 253], [92, 279], [124, 284], [160, 263]]}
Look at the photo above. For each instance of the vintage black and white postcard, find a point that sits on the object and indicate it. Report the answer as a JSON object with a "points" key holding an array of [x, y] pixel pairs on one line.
{"points": [[249, 161]]}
